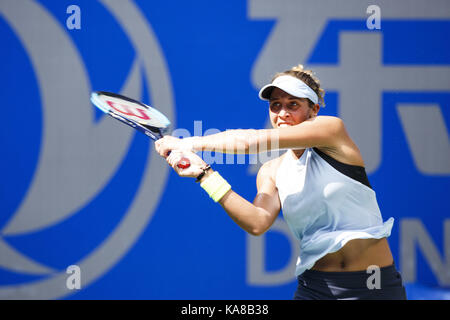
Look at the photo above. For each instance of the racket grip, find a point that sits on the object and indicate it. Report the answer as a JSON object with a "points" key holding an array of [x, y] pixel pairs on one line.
{"points": [[184, 163]]}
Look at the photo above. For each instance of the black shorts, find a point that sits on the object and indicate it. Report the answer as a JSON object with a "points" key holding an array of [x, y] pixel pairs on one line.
{"points": [[350, 285]]}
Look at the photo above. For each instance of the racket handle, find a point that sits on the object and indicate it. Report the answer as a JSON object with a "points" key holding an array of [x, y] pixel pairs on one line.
{"points": [[184, 163]]}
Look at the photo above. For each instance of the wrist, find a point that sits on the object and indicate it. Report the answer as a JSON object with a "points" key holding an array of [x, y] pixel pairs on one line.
{"points": [[215, 186], [208, 172]]}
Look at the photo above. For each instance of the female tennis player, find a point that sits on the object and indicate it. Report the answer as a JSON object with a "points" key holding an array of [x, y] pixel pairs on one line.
{"points": [[320, 184]]}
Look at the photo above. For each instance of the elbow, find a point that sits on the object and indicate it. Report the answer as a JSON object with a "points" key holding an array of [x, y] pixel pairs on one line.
{"points": [[261, 223], [257, 231]]}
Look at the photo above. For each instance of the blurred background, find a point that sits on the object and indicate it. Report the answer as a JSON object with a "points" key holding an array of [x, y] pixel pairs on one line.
{"points": [[83, 197]]}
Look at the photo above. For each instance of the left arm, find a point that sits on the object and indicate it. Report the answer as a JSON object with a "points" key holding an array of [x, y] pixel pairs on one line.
{"points": [[321, 131]]}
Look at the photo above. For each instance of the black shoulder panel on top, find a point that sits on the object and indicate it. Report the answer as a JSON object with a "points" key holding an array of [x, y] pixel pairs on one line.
{"points": [[357, 173]]}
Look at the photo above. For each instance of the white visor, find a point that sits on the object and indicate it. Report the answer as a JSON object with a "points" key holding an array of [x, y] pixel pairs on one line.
{"points": [[289, 84]]}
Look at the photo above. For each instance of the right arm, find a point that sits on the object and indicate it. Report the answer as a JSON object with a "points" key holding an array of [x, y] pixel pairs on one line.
{"points": [[257, 217]]}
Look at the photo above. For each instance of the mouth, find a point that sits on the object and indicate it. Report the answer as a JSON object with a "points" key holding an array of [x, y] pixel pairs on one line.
{"points": [[283, 124]]}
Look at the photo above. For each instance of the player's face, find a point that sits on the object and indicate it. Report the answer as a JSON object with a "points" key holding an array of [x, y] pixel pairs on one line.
{"points": [[286, 110]]}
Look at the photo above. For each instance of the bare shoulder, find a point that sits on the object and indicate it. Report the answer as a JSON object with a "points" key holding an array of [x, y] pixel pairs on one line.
{"points": [[269, 169], [343, 148]]}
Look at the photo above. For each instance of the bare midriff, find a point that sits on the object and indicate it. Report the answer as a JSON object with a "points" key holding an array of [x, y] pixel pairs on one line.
{"points": [[357, 255]]}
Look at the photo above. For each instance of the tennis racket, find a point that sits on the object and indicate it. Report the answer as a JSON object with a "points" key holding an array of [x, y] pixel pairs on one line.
{"points": [[137, 115]]}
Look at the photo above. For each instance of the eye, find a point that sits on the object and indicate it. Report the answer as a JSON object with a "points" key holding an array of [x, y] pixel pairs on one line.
{"points": [[293, 105], [275, 106]]}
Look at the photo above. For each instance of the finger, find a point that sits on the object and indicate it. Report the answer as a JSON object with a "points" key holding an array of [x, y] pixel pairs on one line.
{"points": [[174, 157], [170, 159], [159, 147], [163, 151]]}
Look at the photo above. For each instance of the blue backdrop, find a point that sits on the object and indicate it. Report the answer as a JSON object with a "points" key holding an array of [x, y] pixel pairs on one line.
{"points": [[79, 189]]}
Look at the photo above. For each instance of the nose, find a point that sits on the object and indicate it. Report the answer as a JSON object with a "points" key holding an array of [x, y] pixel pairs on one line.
{"points": [[283, 112]]}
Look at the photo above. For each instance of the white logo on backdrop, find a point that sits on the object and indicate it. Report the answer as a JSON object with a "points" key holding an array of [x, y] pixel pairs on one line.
{"points": [[360, 78], [72, 167]]}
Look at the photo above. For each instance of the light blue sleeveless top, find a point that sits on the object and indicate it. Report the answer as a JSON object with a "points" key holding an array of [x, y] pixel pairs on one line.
{"points": [[325, 208]]}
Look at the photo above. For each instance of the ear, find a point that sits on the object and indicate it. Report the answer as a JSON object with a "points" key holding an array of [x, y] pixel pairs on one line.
{"points": [[315, 109]]}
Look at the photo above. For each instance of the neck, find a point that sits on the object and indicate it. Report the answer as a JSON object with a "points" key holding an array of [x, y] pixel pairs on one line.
{"points": [[298, 153]]}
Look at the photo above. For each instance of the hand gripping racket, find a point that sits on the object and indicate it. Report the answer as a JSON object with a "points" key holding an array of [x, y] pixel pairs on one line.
{"points": [[137, 115]]}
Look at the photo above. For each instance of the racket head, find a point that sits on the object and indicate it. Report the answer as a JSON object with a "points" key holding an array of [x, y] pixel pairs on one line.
{"points": [[136, 114]]}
